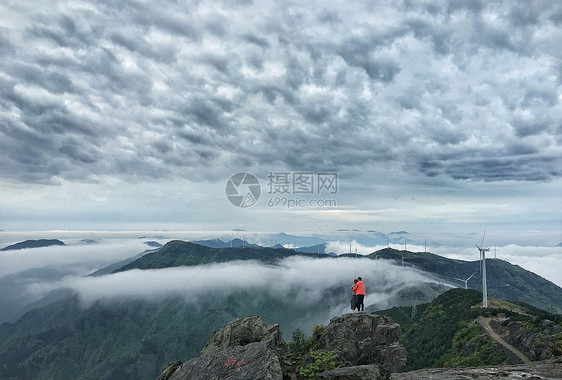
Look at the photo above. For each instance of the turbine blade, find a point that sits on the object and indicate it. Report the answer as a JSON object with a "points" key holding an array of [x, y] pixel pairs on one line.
{"points": [[483, 236]]}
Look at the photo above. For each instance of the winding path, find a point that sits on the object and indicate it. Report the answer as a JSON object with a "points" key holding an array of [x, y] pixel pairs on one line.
{"points": [[485, 323]]}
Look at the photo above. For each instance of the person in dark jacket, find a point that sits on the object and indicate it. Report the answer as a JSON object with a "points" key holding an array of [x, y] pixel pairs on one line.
{"points": [[353, 296]]}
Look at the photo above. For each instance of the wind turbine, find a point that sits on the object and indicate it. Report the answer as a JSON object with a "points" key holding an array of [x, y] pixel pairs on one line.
{"points": [[465, 281], [483, 264]]}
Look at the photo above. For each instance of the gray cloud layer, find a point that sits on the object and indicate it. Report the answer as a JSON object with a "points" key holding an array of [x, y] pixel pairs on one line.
{"points": [[307, 279], [82, 97]]}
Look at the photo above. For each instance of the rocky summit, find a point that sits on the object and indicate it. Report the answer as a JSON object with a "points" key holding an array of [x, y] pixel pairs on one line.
{"points": [[362, 339], [247, 348]]}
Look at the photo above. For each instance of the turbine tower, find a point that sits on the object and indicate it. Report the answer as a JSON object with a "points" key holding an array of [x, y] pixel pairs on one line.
{"points": [[465, 281], [483, 264]]}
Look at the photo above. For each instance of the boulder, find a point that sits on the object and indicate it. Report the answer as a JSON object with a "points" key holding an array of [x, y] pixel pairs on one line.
{"points": [[246, 348], [371, 372], [169, 370], [361, 339], [243, 331]]}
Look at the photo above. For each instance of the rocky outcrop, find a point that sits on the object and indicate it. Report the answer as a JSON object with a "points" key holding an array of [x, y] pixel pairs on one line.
{"points": [[371, 372], [538, 343], [361, 339], [547, 370], [246, 348], [169, 370]]}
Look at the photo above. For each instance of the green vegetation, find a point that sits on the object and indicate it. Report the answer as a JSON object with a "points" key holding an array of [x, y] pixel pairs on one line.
{"points": [[322, 361], [312, 362], [444, 333], [430, 335], [300, 344], [134, 339], [180, 253], [472, 348], [128, 339], [556, 346], [510, 282]]}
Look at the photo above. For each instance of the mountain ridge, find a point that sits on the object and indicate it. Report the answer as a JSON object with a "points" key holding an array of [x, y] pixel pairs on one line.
{"points": [[38, 243], [181, 253], [135, 337], [504, 280]]}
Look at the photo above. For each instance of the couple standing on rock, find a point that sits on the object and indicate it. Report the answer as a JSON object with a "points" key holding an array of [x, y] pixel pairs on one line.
{"points": [[358, 296]]}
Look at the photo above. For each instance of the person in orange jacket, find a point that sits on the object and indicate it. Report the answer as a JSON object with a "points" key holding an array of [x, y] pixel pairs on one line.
{"points": [[359, 290]]}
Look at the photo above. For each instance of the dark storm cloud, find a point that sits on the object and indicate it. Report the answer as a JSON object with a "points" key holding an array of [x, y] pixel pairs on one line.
{"points": [[262, 42], [271, 84], [526, 127], [519, 164]]}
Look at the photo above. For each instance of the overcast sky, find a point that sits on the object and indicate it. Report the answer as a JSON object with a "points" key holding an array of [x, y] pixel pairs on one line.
{"points": [[439, 118]]}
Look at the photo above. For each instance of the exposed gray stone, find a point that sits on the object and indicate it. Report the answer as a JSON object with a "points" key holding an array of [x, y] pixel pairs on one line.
{"points": [[242, 331], [543, 370], [246, 348], [169, 370], [372, 372], [537, 345], [365, 339]]}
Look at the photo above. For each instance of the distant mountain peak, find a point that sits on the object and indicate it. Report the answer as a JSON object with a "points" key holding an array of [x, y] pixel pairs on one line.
{"points": [[33, 244]]}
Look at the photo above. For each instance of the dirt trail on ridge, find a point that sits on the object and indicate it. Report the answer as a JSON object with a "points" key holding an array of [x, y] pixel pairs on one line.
{"points": [[485, 323]]}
